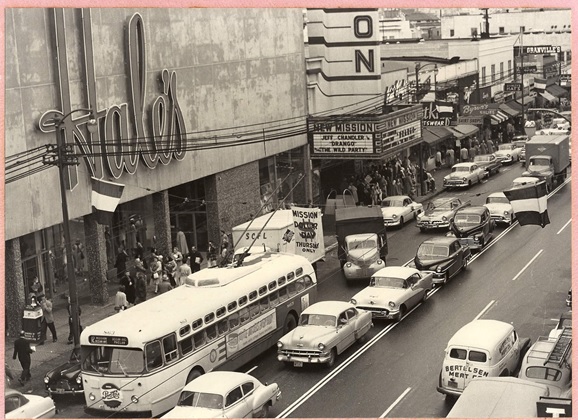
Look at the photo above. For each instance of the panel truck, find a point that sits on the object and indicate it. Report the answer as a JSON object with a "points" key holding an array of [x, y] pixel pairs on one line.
{"points": [[548, 158], [295, 231], [361, 241]]}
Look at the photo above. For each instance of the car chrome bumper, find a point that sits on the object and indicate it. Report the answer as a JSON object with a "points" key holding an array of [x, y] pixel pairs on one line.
{"points": [[449, 391], [433, 225], [323, 358], [500, 219], [438, 277], [361, 273], [380, 313], [392, 222]]}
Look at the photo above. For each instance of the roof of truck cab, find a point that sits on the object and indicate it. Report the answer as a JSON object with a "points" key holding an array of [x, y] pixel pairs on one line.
{"points": [[357, 213]]}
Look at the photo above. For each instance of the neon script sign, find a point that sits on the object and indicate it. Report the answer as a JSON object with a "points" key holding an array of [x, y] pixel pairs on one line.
{"points": [[115, 147]]}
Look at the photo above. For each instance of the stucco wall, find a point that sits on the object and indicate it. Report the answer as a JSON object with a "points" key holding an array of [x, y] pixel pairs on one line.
{"points": [[234, 67]]}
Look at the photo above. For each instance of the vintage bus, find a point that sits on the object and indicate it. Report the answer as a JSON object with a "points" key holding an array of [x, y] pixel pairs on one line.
{"points": [[136, 362]]}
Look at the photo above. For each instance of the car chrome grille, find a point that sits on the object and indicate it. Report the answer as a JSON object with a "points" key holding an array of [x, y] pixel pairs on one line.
{"points": [[301, 353], [374, 309]]}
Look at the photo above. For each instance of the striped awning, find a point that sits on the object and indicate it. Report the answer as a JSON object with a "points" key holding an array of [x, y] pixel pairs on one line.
{"points": [[463, 130], [556, 90], [433, 135], [499, 117], [511, 108], [548, 96]]}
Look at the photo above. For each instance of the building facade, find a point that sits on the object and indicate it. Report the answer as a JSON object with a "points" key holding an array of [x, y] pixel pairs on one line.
{"points": [[201, 116]]}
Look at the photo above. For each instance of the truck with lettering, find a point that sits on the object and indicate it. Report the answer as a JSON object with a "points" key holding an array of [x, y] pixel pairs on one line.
{"points": [[361, 241], [548, 158], [296, 231]]}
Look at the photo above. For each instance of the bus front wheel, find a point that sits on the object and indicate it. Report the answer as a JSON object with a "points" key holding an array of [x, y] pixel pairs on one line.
{"points": [[193, 374], [290, 323]]}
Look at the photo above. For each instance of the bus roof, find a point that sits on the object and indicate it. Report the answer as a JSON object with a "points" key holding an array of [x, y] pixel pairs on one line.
{"points": [[185, 304]]}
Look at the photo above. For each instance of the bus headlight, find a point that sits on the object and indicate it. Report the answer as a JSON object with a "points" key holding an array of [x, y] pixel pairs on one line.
{"points": [[321, 346], [134, 399], [91, 397], [279, 345]]}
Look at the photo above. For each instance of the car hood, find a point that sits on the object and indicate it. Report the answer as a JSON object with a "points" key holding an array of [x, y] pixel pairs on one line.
{"points": [[429, 264], [465, 231], [390, 211], [193, 413], [456, 175], [68, 370], [308, 336], [503, 152], [435, 214], [379, 295], [363, 254], [498, 207]]}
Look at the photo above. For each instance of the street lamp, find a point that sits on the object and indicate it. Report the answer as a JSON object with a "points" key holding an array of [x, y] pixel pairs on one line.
{"points": [[56, 119]]}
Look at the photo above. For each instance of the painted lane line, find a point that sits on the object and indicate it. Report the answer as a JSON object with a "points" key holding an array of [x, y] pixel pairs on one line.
{"points": [[251, 370], [526, 266], [486, 309], [392, 406], [563, 227]]}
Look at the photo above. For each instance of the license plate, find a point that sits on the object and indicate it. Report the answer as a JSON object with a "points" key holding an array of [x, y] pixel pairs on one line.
{"points": [[298, 364], [59, 391], [453, 384]]}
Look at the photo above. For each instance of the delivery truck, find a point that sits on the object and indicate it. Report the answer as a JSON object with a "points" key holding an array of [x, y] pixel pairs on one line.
{"points": [[361, 241], [548, 158], [295, 231]]}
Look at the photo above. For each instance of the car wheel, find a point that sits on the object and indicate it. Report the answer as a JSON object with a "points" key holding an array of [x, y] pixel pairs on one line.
{"points": [[401, 314], [362, 339], [264, 412], [401, 221], [193, 374], [446, 277], [465, 264], [421, 229], [425, 296], [332, 358], [290, 324]]}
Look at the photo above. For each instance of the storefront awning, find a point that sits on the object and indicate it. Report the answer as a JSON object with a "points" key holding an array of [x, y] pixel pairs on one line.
{"points": [[547, 95], [556, 90], [463, 130], [499, 117], [511, 108], [528, 101], [433, 135]]}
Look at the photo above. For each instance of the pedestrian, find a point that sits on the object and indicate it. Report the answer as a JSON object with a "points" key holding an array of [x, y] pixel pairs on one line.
{"points": [[140, 268], [490, 144], [438, 159], [431, 182], [472, 153], [165, 284], [224, 240], [184, 272], [156, 269], [78, 257], [120, 263], [211, 255], [483, 148], [70, 327], [120, 301], [141, 288], [353, 190], [47, 321], [464, 154], [170, 266], [23, 350], [129, 287], [36, 291], [196, 259]]}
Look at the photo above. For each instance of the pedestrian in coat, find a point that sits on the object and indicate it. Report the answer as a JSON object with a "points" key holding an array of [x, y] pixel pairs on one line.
{"points": [[70, 328], [165, 285], [211, 255], [184, 272], [22, 350], [129, 287], [196, 259], [141, 288], [47, 321], [464, 156], [120, 301], [120, 263]]}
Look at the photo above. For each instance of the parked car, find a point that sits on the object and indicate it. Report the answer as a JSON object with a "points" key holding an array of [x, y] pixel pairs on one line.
{"points": [[500, 208], [489, 163], [65, 379], [325, 330], [439, 212], [399, 209], [508, 153], [225, 395], [392, 291], [520, 143], [473, 226], [444, 255], [27, 406], [464, 174]]}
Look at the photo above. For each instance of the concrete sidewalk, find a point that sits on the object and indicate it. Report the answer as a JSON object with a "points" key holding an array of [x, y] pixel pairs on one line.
{"points": [[51, 355]]}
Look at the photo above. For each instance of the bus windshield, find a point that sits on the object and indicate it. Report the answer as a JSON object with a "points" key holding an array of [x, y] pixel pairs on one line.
{"points": [[112, 360], [200, 399]]}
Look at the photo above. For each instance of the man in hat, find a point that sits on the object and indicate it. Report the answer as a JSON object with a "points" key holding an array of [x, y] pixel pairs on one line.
{"points": [[23, 350]]}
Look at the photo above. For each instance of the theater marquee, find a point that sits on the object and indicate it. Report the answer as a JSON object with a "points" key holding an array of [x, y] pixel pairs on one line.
{"points": [[365, 138]]}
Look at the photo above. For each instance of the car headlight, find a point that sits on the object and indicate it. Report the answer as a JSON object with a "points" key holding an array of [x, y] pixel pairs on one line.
{"points": [[348, 264], [444, 218], [394, 216], [279, 345], [134, 399], [438, 269], [46, 379], [508, 155], [464, 179], [353, 301], [391, 304], [379, 262], [506, 212], [321, 346], [79, 379]]}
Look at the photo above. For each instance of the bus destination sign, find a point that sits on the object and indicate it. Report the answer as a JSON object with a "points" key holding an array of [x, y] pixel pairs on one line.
{"points": [[108, 340]]}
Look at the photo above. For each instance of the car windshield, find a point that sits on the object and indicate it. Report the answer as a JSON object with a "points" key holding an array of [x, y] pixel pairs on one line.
{"points": [[487, 158], [112, 360], [540, 162], [505, 147], [439, 205], [542, 372], [388, 282], [361, 243], [392, 203], [318, 319], [431, 251], [497, 200], [200, 399], [461, 169], [464, 220]]}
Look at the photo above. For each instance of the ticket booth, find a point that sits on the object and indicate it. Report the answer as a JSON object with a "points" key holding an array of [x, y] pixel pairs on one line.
{"points": [[32, 323]]}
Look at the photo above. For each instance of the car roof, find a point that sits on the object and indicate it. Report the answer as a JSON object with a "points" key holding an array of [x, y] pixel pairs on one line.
{"points": [[481, 333], [217, 382], [328, 307], [497, 194], [464, 164], [395, 197], [396, 271], [443, 240], [484, 155], [527, 179], [446, 200], [472, 210]]}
